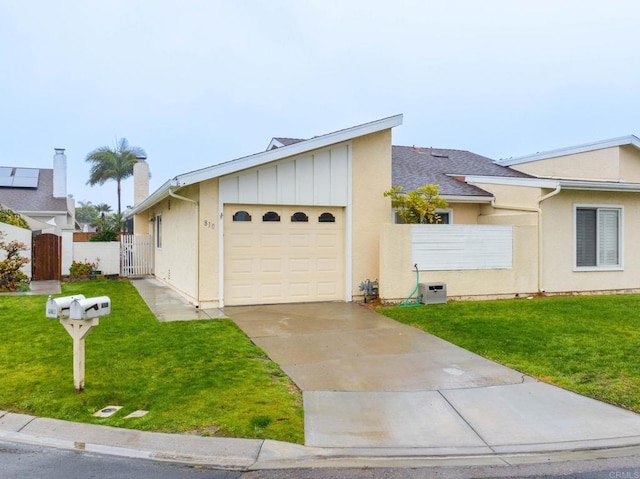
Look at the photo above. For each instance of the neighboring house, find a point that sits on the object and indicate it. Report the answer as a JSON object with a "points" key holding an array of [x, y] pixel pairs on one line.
{"points": [[306, 220], [40, 195]]}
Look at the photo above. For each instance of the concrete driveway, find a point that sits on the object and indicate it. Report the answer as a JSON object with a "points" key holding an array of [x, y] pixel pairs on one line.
{"points": [[369, 381]]}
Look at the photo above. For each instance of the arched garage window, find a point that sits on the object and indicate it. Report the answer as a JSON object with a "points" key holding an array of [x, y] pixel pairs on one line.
{"points": [[271, 216], [241, 216], [326, 218], [299, 217]]}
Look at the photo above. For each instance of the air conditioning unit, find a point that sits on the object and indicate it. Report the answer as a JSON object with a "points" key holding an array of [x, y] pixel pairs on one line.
{"points": [[432, 293]]}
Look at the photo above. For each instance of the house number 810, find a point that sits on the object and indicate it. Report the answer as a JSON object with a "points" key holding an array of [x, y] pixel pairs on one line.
{"points": [[209, 224]]}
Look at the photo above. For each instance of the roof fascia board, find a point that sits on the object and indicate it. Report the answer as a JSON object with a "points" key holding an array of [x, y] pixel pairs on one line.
{"points": [[42, 212], [286, 151], [572, 150], [600, 186], [466, 199], [155, 197], [261, 158], [511, 181]]}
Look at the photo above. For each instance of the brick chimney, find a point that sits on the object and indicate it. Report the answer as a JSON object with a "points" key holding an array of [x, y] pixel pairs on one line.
{"points": [[140, 180], [59, 174]]}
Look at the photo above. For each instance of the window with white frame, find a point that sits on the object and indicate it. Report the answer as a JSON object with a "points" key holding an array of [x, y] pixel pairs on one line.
{"points": [[159, 231], [598, 237]]}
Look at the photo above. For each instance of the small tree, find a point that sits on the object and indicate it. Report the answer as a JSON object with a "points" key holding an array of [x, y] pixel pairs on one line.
{"points": [[11, 278], [418, 206]]}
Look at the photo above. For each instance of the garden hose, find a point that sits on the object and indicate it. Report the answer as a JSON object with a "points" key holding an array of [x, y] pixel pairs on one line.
{"points": [[410, 301]]}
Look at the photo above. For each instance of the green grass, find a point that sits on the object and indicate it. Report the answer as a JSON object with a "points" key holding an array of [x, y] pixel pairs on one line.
{"points": [[588, 344], [201, 377]]}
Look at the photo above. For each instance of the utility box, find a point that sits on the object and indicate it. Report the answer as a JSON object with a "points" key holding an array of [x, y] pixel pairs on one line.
{"points": [[432, 293]]}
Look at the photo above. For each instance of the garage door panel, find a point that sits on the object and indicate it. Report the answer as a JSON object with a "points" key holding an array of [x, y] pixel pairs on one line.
{"points": [[299, 265], [273, 265], [283, 261]]}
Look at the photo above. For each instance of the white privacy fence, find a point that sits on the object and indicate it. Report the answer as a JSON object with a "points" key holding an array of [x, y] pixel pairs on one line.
{"points": [[462, 247], [135, 255]]}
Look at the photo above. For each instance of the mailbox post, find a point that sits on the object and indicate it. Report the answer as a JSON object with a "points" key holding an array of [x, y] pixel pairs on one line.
{"points": [[78, 315]]}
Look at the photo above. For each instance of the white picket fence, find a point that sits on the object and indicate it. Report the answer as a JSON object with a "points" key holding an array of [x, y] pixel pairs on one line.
{"points": [[135, 255]]}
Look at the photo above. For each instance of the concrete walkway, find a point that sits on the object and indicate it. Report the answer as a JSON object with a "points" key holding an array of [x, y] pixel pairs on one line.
{"points": [[376, 394]]}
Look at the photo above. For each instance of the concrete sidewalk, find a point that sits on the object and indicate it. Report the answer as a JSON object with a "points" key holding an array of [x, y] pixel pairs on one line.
{"points": [[376, 394]]}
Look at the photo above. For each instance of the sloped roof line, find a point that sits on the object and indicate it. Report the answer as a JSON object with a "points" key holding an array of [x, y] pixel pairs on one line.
{"points": [[572, 150], [264, 157]]}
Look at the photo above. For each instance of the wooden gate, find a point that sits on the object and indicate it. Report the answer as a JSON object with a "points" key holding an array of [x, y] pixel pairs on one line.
{"points": [[135, 255], [46, 257]]}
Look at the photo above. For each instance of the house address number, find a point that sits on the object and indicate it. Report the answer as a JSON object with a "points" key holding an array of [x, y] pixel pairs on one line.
{"points": [[209, 224]]}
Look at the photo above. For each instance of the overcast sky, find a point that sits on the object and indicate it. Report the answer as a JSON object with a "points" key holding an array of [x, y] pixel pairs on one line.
{"points": [[198, 82]]}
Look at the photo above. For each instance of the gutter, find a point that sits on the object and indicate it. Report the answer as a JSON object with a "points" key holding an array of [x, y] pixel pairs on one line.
{"points": [[173, 194], [540, 237]]}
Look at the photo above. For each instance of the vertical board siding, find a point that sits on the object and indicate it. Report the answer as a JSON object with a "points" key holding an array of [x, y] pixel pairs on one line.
{"points": [[460, 247], [321, 178]]}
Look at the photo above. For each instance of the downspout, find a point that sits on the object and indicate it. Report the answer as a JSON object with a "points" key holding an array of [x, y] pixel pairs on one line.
{"points": [[540, 249], [184, 198]]}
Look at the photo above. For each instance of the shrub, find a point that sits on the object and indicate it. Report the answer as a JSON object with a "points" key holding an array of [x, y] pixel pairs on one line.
{"points": [[11, 278], [81, 269]]}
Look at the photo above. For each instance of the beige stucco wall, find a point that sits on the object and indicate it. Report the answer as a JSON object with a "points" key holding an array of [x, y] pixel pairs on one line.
{"points": [[176, 262], [558, 251], [398, 278], [592, 165], [371, 172], [465, 213], [209, 225], [630, 164]]}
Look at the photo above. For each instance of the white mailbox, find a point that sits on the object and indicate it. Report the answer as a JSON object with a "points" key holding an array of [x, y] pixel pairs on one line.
{"points": [[90, 308], [58, 308]]}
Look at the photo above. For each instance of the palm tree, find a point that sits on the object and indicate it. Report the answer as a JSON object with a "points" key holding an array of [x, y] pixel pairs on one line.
{"points": [[113, 164]]}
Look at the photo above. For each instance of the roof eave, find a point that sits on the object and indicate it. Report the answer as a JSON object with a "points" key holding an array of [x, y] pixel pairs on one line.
{"points": [[572, 150], [600, 186], [467, 198], [261, 158], [294, 149], [512, 181]]}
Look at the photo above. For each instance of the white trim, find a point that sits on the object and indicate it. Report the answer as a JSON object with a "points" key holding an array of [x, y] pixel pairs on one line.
{"points": [[466, 199], [512, 181], [620, 265], [572, 150], [600, 186], [258, 159], [348, 218]]}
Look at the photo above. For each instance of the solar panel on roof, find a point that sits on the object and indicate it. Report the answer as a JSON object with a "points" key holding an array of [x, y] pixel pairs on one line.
{"points": [[24, 182], [19, 177], [27, 172]]}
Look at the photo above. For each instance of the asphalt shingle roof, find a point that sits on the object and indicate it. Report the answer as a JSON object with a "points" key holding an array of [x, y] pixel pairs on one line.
{"points": [[413, 167], [34, 199]]}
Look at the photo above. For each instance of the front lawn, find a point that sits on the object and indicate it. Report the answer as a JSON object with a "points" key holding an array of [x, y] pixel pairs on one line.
{"points": [[201, 377], [588, 344]]}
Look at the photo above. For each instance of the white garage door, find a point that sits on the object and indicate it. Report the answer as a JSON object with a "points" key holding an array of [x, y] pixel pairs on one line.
{"points": [[283, 254]]}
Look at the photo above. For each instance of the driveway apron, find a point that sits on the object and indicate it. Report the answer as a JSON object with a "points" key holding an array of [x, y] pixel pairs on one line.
{"points": [[369, 381]]}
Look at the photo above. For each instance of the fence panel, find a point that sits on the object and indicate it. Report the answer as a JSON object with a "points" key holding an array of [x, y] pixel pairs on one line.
{"points": [[135, 255]]}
